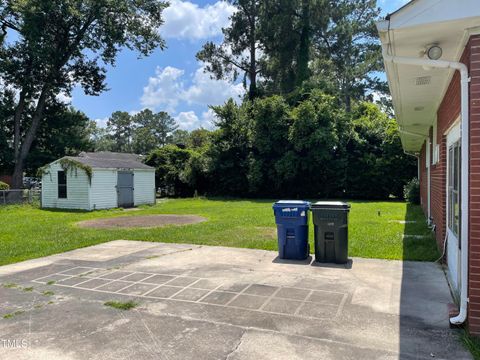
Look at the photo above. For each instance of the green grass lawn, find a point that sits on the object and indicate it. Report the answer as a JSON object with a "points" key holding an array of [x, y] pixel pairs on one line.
{"points": [[375, 230]]}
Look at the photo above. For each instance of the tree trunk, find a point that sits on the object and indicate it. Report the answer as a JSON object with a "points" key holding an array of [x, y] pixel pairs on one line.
{"points": [[348, 102], [17, 177], [17, 119], [252, 93], [303, 56]]}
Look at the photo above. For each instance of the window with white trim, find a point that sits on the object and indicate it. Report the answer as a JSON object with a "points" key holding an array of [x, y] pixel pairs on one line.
{"points": [[435, 146], [454, 180], [427, 153]]}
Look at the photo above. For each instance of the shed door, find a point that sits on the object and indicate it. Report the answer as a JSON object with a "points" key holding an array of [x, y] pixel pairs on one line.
{"points": [[125, 189]]}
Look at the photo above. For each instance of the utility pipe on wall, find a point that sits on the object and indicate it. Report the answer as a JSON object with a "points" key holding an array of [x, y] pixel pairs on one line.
{"points": [[462, 68], [429, 179]]}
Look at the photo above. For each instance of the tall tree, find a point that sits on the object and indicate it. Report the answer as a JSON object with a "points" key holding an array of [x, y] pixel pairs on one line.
{"points": [[102, 140], [151, 130], [287, 28], [62, 43], [239, 53], [349, 48], [7, 106], [377, 166], [179, 137], [231, 148], [120, 128], [68, 132]]}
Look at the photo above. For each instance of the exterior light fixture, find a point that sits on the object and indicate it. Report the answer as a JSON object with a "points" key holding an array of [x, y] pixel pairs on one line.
{"points": [[434, 52]]}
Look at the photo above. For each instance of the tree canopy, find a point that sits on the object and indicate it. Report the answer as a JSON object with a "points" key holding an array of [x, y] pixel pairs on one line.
{"points": [[62, 43]]}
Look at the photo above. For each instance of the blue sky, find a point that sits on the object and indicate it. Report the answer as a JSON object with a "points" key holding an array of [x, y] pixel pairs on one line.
{"points": [[172, 80]]}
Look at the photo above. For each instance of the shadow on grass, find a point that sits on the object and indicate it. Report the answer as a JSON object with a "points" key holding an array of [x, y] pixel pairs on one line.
{"points": [[418, 240], [235, 199], [70, 211]]}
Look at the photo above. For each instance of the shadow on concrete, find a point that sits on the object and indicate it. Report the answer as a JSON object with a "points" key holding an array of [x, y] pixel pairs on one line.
{"points": [[348, 265], [305, 262], [424, 296]]}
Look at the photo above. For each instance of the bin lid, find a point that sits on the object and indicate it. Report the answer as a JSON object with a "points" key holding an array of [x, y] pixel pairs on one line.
{"points": [[338, 205], [292, 203]]}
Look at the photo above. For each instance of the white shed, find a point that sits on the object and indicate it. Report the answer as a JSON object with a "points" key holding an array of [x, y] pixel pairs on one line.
{"points": [[101, 180]]}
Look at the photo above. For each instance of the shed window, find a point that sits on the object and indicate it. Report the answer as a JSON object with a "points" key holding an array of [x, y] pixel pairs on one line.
{"points": [[62, 185]]}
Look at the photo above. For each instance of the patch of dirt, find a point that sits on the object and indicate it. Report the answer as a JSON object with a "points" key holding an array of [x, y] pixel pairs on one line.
{"points": [[267, 232], [147, 221]]}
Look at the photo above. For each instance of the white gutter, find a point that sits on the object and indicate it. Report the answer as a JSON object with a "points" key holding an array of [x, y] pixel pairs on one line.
{"points": [[465, 171]]}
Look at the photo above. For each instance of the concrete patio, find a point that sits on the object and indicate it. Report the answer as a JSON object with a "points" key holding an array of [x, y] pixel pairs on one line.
{"points": [[198, 302]]}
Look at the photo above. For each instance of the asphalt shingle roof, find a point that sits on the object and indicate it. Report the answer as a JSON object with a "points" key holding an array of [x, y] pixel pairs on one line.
{"points": [[110, 160]]}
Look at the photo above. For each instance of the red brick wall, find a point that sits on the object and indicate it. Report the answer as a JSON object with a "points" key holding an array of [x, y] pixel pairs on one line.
{"points": [[474, 208], [448, 111]]}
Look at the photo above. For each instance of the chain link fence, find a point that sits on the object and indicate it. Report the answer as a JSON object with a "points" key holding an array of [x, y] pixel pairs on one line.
{"points": [[21, 196]]}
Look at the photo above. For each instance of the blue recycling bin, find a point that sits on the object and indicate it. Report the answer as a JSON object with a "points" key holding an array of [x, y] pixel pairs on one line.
{"points": [[291, 217]]}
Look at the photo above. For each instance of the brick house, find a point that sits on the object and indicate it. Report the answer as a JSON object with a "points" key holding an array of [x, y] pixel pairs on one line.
{"points": [[431, 50]]}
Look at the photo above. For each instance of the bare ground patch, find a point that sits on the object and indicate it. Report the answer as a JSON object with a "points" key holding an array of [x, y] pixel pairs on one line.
{"points": [[267, 232], [146, 221]]}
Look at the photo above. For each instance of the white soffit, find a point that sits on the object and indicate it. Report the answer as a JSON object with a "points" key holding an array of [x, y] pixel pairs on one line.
{"points": [[416, 91]]}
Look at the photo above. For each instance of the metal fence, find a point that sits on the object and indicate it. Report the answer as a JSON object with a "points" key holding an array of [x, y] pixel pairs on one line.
{"points": [[21, 196]]}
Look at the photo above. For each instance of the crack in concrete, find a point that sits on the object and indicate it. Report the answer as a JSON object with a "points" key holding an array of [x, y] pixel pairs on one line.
{"points": [[294, 335], [237, 346]]}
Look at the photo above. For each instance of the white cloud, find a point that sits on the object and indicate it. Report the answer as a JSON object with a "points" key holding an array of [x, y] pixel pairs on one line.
{"points": [[187, 120], [185, 20], [208, 91], [208, 119], [64, 98], [102, 122], [377, 96], [166, 90]]}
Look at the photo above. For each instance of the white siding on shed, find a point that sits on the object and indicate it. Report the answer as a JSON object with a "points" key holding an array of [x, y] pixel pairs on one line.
{"points": [[77, 189], [144, 187], [103, 193]]}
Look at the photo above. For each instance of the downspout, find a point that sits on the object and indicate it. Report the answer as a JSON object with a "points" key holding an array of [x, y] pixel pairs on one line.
{"points": [[465, 171], [429, 180], [428, 155]]}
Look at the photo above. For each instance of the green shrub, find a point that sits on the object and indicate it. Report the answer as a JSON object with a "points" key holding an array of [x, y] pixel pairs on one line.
{"points": [[411, 191], [4, 186]]}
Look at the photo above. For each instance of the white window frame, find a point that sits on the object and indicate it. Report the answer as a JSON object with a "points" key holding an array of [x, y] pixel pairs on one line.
{"points": [[453, 136], [435, 146], [427, 153]]}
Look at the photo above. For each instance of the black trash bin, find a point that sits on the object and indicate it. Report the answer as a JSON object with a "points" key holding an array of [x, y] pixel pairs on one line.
{"points": [[330, 221]]}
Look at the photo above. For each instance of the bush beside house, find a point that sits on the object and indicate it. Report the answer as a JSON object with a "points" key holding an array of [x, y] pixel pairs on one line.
{"points": [[411, 191], [4, 186]]}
